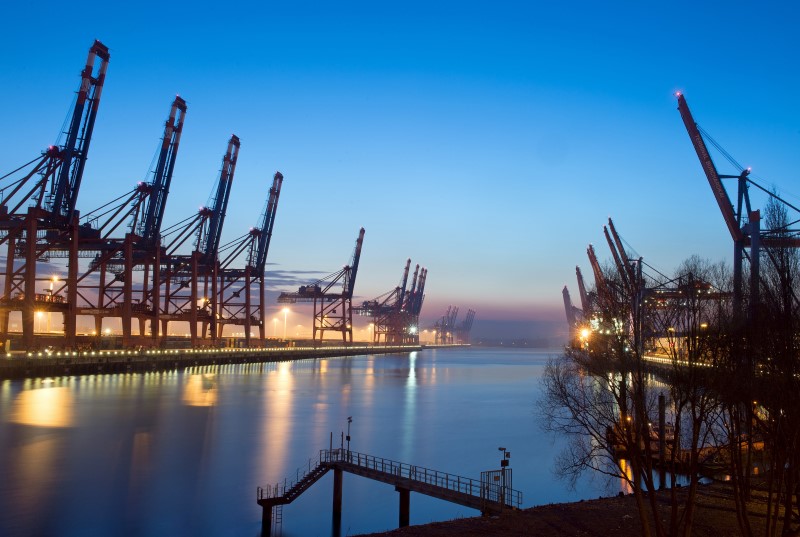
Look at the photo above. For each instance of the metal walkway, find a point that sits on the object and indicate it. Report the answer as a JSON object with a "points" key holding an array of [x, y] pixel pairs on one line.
{"points": [[491, 494]]}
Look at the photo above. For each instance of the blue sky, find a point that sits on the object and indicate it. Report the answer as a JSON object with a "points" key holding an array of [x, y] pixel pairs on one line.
{"points": [[488, 141]]}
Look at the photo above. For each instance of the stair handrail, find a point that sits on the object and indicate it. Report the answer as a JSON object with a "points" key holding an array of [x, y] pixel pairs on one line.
{"points": [[279, 490]]}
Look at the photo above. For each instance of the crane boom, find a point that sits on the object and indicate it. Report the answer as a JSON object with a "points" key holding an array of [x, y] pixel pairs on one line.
{"points": [[723, 200], [411, 294], [419, 296], [267, 223], [210, 246], [76, 148], [623, 274], [350, 283], [150, 228], [622, 253], [568, 308], [403, 283], [600, 280], [582, 291]]}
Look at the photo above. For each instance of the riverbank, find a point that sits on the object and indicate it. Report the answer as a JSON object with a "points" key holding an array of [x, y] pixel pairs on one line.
{"points": [[715, 516], [56, 364]]}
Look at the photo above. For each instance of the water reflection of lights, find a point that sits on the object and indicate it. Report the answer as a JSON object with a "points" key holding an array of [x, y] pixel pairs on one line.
{"points": [[410, 411], [201, 390], [411, 382], [627, 471], [43, 407], [277, 421], [369, 381]]}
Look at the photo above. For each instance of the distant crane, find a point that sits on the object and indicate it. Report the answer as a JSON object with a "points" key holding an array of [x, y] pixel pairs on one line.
{"points": [[446, 327], [463, 331], [395, 314], [333, 310], [44, 200]]}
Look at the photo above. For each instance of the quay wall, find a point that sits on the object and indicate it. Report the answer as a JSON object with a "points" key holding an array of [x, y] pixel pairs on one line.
{"points": [[40, 365]]}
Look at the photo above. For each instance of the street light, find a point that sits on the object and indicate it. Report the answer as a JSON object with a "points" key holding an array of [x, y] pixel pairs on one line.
{"points": [[275, 327], [285, 313]]}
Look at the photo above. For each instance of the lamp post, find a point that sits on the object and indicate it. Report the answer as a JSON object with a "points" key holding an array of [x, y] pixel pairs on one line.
{"points": [[275, 327], [503, 466], [349, 421], [285, 314]]}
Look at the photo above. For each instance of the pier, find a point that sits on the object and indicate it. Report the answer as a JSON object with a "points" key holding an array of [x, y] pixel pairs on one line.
{"points": [[490, 495], [52, 364]]}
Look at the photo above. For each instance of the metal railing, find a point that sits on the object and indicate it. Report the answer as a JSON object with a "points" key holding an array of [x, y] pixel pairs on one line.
{"points": [[419, 474]]}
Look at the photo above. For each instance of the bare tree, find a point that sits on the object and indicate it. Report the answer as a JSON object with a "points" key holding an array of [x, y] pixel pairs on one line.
{"points": [[603, 396]]}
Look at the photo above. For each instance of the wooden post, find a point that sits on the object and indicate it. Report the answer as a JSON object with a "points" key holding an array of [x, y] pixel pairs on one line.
{"points": [[405, 506], [337, 502]]}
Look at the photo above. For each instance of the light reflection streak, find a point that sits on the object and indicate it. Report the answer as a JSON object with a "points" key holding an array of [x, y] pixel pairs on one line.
{"points": [[277, 422], [409, 416], [201, 390], [369, 381], [43, 407], [625, 482]]}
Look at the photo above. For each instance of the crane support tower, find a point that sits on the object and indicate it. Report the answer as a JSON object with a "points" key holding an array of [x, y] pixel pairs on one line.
{"points": [[333, 310], [38, 213]]}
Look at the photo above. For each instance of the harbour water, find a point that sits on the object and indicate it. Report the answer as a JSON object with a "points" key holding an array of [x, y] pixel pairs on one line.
{"points": [[182, 452]]}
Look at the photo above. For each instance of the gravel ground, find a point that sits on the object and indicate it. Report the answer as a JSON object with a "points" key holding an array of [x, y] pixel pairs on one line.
{"points": [[715, 517]]}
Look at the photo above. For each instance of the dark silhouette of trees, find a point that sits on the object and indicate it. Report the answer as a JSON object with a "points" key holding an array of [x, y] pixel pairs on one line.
{"points": [[603, 396]]}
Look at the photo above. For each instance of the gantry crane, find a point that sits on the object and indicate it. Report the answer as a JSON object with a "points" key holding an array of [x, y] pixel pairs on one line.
{"points": [[446, 326], [182, 275], [386, 312], [38, 211], [333, 310], [414, 306], [234, 308], [743, 222], [395, 319], [107, 287]]}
